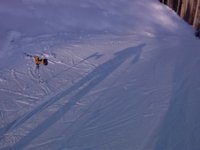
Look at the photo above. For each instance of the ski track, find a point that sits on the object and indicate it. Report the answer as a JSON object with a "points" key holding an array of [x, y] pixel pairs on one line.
{"points": [[74, 66], [80, 88], [105, 88], [19, 94], [14, 76], [88, 82], [43, 85], [36, 146]]}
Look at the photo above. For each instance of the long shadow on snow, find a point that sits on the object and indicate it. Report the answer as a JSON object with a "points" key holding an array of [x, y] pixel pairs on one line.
{"points": [[89, 82], [95, 55], [19, 121]]}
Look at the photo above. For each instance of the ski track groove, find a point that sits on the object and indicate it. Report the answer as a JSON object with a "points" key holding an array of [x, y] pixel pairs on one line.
{"points": [[13, 73], [107, 127], [42, 83], [31, 74], [80, 120], [20, 94], [82, 88], [25, 103], [45, 143], [16, 123], [70, 68]]}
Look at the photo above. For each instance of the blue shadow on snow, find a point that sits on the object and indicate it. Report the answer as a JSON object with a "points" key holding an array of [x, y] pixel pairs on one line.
{"points": [[87, 83]]}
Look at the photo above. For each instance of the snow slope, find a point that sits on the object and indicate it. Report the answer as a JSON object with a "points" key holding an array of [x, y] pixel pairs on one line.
{"points": [[122, 75]]}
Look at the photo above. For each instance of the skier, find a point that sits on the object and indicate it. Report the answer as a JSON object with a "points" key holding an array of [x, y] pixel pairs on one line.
{"points": [[39, 61]]}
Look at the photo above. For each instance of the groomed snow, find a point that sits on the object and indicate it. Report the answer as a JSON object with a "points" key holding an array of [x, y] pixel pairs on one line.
{"points": [[122, 75]]}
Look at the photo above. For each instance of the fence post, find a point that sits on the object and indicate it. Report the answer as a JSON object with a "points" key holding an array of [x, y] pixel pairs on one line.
{"points": [[189, 10], [196, 22]]}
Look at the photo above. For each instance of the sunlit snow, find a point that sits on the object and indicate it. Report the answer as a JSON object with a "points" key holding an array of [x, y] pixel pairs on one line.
{"points": [[122, 75]]}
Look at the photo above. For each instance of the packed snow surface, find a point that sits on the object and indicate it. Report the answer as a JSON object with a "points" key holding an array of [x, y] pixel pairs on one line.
{"points": [[122, 75]]}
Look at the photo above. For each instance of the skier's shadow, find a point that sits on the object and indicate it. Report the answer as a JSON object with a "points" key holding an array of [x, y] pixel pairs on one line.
{"points": [[89, 82], [95, 56], [17, 122]]}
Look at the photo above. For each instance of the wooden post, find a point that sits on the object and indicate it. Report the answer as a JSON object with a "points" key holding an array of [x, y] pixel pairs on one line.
{"points": [[171, 3], [193, 5], [182, 8], [179, 7], [189, 10], [175, 5], [196, 22]]}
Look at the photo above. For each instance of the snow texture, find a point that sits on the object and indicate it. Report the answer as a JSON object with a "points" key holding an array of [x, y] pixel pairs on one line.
{"points": [[122, 75]]}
